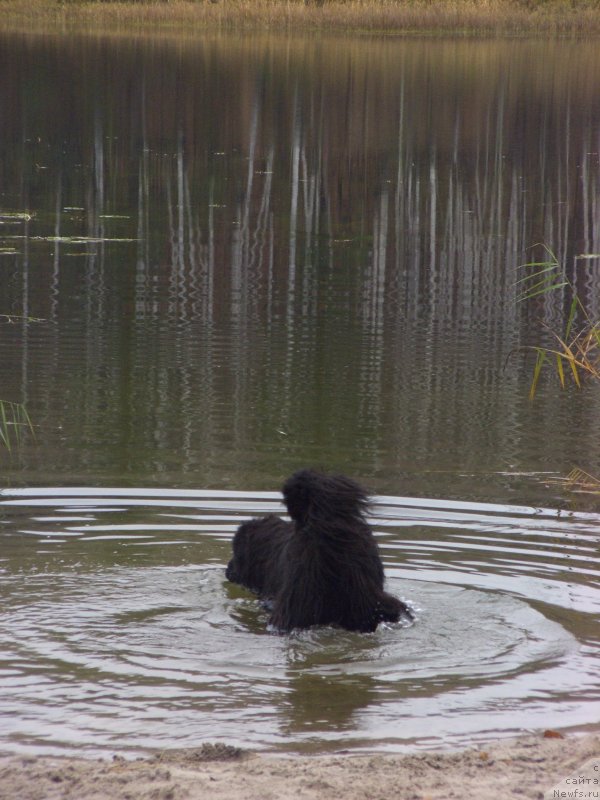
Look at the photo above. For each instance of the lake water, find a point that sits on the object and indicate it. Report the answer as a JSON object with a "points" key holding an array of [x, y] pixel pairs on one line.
{"points": [[223, 259]]}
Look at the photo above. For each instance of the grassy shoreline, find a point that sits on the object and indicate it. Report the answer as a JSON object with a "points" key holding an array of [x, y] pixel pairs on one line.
{"points": [[574, 18]]}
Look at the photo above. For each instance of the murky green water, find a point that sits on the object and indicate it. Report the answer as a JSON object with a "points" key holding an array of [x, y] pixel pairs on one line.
{"points": [[224, 259]]}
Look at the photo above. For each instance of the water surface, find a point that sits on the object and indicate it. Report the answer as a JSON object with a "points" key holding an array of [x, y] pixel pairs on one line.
{"points": [[222, 259], [118, 628]]}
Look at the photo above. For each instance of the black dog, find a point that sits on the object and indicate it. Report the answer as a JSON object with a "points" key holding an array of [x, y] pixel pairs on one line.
{"points": [[323, 568]]}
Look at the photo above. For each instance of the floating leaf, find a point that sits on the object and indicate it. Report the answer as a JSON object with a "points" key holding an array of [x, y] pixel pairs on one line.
{"points": [[16, 216], [80, 239]]}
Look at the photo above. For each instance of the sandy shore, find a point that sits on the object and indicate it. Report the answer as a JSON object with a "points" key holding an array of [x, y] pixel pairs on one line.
{"points": [[523, 768]]}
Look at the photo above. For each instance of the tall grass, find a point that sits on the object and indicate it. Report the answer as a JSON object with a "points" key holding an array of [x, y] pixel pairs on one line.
{"points": [[14, 422], [576, 350], [511, 17]]}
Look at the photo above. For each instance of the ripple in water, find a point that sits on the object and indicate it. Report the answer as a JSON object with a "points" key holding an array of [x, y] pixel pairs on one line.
{"points": [[119, 630]]}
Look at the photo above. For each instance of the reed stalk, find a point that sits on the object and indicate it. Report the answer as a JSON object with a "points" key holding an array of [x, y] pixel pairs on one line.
{"points": [[579, 479], [14, 421], [576, 350]]}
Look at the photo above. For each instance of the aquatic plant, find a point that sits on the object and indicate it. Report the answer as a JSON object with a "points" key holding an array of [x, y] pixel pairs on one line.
{"points": [[14, 420], [577, 348], [12, 318], [579, 479]]}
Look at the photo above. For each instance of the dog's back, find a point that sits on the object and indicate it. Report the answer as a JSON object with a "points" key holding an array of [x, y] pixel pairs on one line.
{"points": [[332, 571], [324, 567]]}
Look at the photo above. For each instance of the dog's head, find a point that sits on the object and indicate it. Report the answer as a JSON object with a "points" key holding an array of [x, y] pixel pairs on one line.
{"points": [[256, 546], [242, 565], [233, 572], [309, 494]]}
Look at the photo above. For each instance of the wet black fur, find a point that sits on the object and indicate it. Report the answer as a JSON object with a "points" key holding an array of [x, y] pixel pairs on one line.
{"points": [[323, 568]]}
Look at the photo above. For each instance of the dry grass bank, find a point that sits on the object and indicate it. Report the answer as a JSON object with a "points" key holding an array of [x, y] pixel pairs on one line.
{"points": [[456, 17]]}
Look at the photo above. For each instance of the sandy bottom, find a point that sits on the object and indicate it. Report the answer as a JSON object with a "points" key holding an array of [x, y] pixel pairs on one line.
{"points": [[523, 768]]}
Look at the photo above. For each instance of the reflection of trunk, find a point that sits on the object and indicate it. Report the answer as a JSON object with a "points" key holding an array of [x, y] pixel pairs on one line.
{"points": [[262, 242], [373, 302], [295, 177], [57, 249], [315, 227]]}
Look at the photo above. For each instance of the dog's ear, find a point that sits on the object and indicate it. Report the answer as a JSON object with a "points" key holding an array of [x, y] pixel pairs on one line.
{"points": [[311, 494]]}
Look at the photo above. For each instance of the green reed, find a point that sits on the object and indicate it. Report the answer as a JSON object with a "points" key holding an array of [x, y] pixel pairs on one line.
{"points": [[14, 422], [576, 352]]}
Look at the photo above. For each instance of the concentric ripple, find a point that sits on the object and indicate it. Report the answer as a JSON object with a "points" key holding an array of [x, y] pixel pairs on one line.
{"points": [[119, 630]]}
